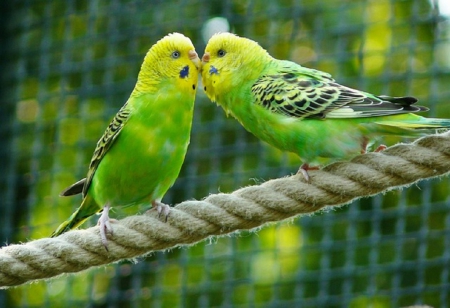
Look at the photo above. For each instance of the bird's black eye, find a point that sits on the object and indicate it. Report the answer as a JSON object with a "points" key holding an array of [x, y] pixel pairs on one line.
{"points": [[176, 54], [221, 53]]}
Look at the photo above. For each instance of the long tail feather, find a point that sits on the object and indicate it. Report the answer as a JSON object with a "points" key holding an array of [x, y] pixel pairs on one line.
{"points": [[423, 124], [74, 189], [87, 208]]}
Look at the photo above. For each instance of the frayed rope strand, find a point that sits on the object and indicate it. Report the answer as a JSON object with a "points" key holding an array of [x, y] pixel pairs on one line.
{"points": [[193, 221]]}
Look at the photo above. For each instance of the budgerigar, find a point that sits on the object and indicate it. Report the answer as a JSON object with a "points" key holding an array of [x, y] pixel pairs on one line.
{"points": [[302, 110], [139, 156]]}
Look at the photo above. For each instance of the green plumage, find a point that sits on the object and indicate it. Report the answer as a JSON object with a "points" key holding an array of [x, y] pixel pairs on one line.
{"points": [[305, 93], [302, 110], [142, 150]]}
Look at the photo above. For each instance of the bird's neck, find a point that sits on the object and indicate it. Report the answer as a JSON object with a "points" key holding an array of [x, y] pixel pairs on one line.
{"points": [[146, 83], [257, 65]]}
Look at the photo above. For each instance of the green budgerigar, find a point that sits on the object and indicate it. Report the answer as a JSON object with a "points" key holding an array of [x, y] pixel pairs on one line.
{"points": [[302, 110], [140, 155]]}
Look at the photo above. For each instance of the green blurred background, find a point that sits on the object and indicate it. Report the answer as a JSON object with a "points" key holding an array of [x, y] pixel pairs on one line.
{"points": [[66, 67]]}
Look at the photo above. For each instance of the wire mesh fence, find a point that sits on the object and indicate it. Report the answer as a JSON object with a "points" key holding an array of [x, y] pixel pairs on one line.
{"points": [[68, 66]]}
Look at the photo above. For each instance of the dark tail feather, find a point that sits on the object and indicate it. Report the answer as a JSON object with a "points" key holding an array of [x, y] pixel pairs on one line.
{"points": [[405, 101], [87, 208], [74, 189]]}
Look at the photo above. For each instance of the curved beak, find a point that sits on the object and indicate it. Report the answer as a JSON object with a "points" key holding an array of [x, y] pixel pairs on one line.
{"points": [[205, 57], [193, 56]]}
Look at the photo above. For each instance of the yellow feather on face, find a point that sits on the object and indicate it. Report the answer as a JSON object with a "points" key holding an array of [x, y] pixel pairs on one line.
{"points": [[158, 65], [217, 84]]}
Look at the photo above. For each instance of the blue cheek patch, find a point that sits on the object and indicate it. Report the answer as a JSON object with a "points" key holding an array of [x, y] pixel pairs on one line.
{"points": [[184, 72], [213, 70]]}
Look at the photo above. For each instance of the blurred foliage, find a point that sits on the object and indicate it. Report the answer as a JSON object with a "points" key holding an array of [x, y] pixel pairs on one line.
{"points": [[68, 66]]}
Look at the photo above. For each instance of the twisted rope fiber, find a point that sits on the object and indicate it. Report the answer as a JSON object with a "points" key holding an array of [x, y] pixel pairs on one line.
{"points": [[219, 214]]}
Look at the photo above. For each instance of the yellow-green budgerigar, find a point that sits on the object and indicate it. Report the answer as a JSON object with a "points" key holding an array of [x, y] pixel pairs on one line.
{"points": [[302, 110], [140, 154]]}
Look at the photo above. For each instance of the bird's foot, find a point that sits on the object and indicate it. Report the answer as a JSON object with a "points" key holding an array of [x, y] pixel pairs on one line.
{"points": [[364, 144], [104, 222], [380, 148], [303, 170], [162, 209]]}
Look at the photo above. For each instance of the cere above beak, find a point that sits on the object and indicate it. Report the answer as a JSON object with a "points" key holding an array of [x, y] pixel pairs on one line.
{"points": [[205, 57], [192, 55]]}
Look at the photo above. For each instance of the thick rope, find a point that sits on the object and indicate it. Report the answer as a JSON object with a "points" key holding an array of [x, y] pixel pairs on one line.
{"points": [[246, 208]]}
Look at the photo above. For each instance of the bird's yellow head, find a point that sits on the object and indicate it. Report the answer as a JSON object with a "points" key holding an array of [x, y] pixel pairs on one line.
{"points": [[172, 58], [227, 54]]}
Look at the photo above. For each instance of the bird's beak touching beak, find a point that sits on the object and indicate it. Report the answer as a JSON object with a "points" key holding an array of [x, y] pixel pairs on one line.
{"points": [[193, 56], [205, 57]]}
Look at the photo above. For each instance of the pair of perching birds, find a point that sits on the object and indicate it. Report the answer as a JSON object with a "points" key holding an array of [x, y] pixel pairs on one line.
{"points": [[291, 107]]}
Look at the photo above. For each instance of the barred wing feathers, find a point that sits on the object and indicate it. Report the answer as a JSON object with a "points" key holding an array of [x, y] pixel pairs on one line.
{"points": [[308, 93], [106, 141]]}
